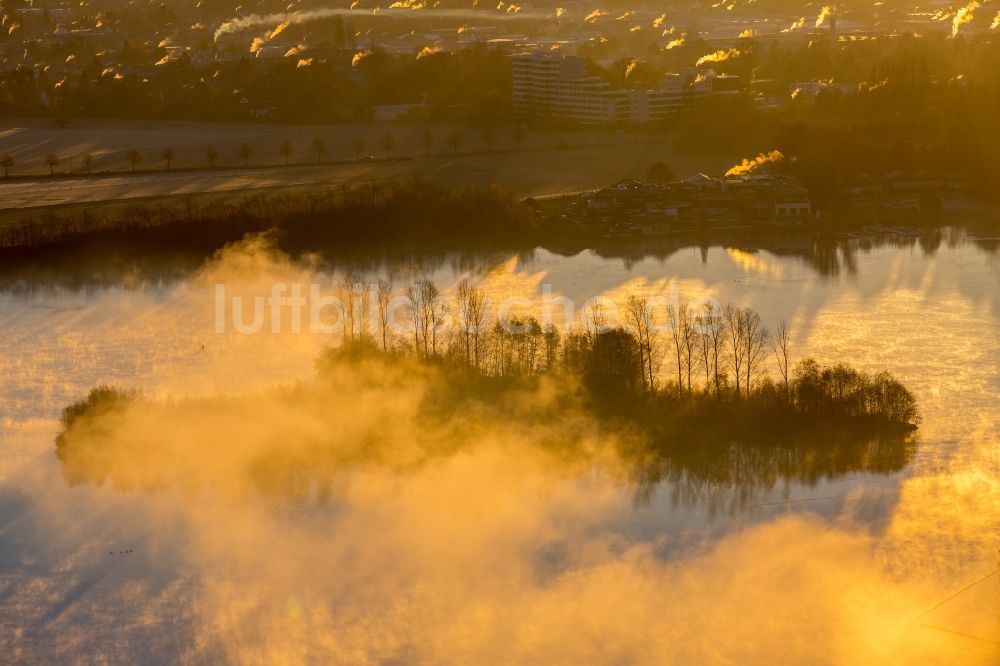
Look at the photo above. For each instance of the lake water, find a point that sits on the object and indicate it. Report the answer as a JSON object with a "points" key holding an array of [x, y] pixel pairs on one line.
{"points": [[862, 555]]}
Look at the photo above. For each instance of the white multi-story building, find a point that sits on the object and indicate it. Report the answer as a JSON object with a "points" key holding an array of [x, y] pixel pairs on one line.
{"points": [[556, 86], [551, 85]]}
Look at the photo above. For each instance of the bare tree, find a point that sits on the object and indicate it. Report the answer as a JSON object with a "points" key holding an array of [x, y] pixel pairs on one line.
{"points": [[639, 322], [415, 295], [88, 162], [427, 311], [781, 345], [704, 348], [6, 161], [133, 157], [345, 292], [352, 296], [383, 298], [680, 331], [551, 339], [595, 319], [168, 155], [286, 149], [755, 340], [436, 312], [245, 152], [319, 147], [500, 344], [52, 161], [712, 327], [527, 336], [455, 140], [734, 342], [388, 143], [472, 317], [689, 337]]}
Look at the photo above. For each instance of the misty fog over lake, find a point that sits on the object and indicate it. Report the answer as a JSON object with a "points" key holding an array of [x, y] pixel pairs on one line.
{"points": [[501, 552]]}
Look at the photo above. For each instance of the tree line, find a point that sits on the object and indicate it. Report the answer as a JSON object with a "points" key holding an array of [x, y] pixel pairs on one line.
{"points": [[470, 86], [679, 352], [243, 154]]}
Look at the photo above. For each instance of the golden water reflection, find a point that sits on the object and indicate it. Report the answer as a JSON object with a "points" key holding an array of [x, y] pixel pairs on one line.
{"points": [[501, 554]]}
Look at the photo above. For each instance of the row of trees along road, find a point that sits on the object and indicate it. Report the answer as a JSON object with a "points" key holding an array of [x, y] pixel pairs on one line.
{"points": [[318, 149]]}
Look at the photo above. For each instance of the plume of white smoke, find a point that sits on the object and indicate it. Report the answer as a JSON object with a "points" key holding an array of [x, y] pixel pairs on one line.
{"points": [[963, 16], [361, 55], [797, 25], [719, 56], [825, 13], [281, 27], [482, 538], [272, 21], [428, 51], [676, 42], [749, 166]]}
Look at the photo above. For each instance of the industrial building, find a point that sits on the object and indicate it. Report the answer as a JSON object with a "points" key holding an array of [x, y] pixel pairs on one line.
{"points": [[699, 202]]}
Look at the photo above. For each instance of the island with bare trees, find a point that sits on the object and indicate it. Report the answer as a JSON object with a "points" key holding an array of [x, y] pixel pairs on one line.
{"points": [[692, 384], [642, 351]]}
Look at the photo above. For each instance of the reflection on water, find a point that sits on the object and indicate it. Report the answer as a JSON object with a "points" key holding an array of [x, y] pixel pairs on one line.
{"points": [[500, 555], [738, 476], [828, 256]]}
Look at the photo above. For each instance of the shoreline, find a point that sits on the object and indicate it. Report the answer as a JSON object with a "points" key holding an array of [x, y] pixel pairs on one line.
{"points": [[169, 237]]}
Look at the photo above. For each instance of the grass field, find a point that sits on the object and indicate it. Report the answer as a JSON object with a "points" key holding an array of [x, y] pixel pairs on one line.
{"points": [[108, 143], [546, 163]]}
